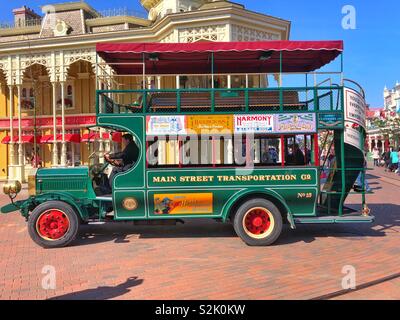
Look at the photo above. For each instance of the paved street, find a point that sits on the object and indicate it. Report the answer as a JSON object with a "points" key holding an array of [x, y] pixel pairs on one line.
{"points": [[205, 260]]}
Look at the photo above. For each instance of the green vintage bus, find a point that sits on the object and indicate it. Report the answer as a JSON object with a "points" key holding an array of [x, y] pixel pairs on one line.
{"points": [[228, 142]]}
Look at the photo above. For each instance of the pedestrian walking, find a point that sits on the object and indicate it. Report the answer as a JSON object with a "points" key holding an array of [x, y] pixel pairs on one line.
{"points": [[386, 159], [375, 156]]}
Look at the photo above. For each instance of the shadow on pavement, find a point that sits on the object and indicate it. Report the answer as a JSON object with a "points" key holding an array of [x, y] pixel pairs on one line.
{"points": [[387, 216], [123, 232], [102, 293]]}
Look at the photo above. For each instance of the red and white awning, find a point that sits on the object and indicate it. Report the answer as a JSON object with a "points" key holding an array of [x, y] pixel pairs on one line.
{"points": [[229, 57]]}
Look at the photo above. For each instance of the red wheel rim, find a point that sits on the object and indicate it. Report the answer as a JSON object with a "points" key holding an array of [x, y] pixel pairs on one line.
{"points": [[258, 222], [52, 224]]}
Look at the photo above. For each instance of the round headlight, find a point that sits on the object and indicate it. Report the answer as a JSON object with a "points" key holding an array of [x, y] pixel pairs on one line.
{"points": [[13, 187], [6, 188]]}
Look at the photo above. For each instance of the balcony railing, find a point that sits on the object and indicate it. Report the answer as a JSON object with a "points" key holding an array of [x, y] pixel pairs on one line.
{"points": [[21, 24], [237, 100], [116, 12]]}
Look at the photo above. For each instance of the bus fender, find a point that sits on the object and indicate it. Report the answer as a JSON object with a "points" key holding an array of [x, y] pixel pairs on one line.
{"points": [[64, 197], [244, 194]]}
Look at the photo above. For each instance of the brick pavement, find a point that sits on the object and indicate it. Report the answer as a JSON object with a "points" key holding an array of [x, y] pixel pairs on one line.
{"points": [[205, 259]]}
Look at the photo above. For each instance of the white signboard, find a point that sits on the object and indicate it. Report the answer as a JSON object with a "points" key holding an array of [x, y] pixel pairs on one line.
{"points": [[165, 125], [355, 107], [352, 136], [256, 123]]}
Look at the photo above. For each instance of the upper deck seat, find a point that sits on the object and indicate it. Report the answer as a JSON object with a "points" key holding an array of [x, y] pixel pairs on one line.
{"points": [[270, 100], [265, 100]]}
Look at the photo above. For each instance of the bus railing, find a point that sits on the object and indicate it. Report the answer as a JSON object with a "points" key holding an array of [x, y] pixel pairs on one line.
{"points": [[238, 100]]}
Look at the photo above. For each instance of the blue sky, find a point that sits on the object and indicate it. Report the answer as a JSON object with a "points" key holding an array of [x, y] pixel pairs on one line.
{"points": [[371, 50]]}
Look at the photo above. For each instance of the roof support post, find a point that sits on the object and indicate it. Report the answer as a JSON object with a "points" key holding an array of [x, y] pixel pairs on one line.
{"points": [[212, 83], [280, 82], [55, 147]]}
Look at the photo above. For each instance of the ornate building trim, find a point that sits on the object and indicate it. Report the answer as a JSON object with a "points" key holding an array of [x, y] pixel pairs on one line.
{"points": [[216, 32], [242, 33]]}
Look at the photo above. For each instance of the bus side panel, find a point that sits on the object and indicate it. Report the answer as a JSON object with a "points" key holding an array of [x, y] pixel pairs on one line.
{"points": [[302, 201], [134, 177], [184, 203], [129, 204]]}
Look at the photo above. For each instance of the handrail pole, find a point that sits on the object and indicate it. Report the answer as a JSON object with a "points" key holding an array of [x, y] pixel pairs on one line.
{"points": [[178, 100], [280, 81], [343, 173]]}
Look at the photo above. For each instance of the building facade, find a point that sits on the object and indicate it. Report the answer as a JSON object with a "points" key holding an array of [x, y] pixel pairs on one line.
{"points": [[48, 70], [384, 124]]}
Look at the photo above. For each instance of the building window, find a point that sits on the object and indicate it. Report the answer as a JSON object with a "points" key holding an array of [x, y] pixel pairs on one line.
{"points": [[69, 99], [27, 98]]}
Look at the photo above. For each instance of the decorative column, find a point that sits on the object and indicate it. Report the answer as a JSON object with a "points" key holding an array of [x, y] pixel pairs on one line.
{"points": [[19, 169], [11, 110], [63, 143], [20, 149], [257, 151], [161, 152], [149, 83], [55, 147], [158, 82], [101, 146], [229, 149], [229, 85]]}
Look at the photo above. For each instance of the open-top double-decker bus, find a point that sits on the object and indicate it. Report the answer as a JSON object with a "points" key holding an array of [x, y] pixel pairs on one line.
{"points": [[224, 139]]}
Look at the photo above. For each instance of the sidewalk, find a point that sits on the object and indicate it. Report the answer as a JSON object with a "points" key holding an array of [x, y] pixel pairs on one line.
{"points": [[386, 176]]}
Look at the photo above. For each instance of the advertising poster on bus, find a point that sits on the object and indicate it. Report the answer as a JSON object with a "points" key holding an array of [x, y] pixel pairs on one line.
{"points": [[210, 124], [165, 125], [183, 203], [296, 123], [353, 136], [355, 107], [257, 123]]}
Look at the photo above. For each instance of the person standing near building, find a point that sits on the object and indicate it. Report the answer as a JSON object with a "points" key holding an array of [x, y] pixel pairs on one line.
{"points": [[375, 156], [398, 164], [394, 157], [386, 159]]}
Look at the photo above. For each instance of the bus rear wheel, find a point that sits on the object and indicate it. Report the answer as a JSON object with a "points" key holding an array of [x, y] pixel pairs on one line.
{"points": [[258, 222], [53, 224]]}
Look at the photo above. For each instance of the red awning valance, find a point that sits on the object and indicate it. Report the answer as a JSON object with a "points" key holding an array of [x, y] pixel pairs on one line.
{"points": [[90, 137], [229, 57], [24, 139], [93, 136], [69, 137]]}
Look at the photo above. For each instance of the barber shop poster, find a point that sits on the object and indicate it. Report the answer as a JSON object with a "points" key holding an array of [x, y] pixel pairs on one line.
{"points": [[256, 123]]}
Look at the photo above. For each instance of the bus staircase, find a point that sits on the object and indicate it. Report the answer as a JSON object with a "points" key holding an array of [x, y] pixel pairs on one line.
{"points": [[339, 184]]}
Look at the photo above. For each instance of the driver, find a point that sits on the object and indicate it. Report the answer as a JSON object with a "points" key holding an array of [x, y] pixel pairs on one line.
{"points": [[125, 159]]}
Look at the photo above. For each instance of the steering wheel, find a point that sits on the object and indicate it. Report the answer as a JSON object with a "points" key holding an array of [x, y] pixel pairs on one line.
{"points": [[114, 162], [96, 170]]}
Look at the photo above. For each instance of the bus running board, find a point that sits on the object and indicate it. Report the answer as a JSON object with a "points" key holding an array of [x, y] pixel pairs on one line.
{"points": [[347, 218]]}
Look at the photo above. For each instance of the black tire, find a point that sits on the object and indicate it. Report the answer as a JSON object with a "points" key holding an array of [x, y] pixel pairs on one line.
{"points": [[271, 219], [66, 212]]}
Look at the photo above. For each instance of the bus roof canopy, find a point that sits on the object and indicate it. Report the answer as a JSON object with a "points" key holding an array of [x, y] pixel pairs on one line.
{"points": [[228, 57]]}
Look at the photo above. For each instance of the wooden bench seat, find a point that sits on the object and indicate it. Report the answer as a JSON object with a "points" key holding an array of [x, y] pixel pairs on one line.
{"points": [[202, 100]]}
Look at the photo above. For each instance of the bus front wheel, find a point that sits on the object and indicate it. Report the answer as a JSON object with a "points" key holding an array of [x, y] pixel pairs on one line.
{"points": [[258, 222], [53, 224]]}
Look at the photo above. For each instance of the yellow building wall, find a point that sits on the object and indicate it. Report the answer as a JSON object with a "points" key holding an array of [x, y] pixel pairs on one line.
{"points": [[3, 100], [3, 157], [4, 105]]}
